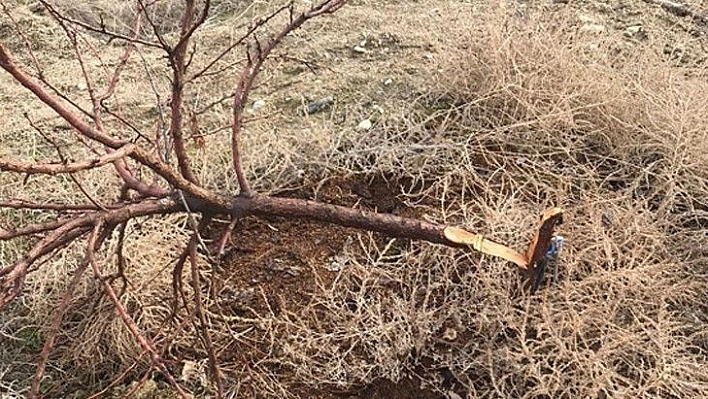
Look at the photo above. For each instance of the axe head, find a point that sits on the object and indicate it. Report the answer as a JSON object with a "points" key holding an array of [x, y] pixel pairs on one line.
{"points": [[541, 243]]}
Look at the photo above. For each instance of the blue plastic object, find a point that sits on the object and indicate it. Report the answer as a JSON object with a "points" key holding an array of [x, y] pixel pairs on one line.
{"points": [[555, 247], [553, 251]]}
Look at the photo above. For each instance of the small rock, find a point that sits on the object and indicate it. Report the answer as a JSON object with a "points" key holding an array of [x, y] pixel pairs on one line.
{"points": [[148, 390], [592, 28], [674, 51], [453, 395], [360, 50], [450, 334], [677, 9], [193, 372], [388, 82], [293, 271], [238, 296], [81, 85], [258, 105], [336, 263], [364, 125], [38, 8], [587, 19], [319, 105], [189, 369], [592, 47], [636, 32], [378, 109]]}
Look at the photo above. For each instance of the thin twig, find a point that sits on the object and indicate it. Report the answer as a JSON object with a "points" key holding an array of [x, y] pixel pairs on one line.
{"points": [[220, 249], [144, 157], [155, 29], [54, 329], [25, 40], [123, 313], [12, 277], [58, 317], [68, 167], [24, 204], [64, 160], [179, 67], [120, 377], [252, 28], [30, 230], [248, 77], [204, 326], [100, 30]]}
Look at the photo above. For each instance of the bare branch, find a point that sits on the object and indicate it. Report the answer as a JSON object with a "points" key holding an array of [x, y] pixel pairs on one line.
{"points": [[188, 28], [37, 66], [179, 191], [102, 30], [54, 329], [140, 155], [155, 30], [25, 40], [249, 74], [12, 277], [22, 204], [59, 316], [179, 67], [122, 312], [221, 247], [72, 167], [203, 327], [161, 141], [252, 28], [29, 230], [96, 100], [64, 160], [119, 378]]}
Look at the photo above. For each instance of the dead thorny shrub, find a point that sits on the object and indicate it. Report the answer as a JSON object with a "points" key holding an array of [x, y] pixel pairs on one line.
{"points": [[529, 110], [152, 153]]}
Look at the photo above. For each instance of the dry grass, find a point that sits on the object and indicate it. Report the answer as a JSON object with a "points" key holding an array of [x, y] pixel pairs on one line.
{"points": [[512, 111]]}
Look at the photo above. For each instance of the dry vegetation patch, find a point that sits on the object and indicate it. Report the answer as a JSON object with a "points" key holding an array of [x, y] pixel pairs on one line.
{"points": [[492, 114]]}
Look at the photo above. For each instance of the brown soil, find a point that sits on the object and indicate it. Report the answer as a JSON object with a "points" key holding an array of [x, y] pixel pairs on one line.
{"points": [[271, 265], [277, 257]]}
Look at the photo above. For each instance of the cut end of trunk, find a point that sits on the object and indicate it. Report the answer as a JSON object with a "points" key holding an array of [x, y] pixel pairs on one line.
{"points": [[481, 244]]}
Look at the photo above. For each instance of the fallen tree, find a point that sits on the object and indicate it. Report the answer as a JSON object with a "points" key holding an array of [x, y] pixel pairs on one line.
{"points": [[174, 187]]}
